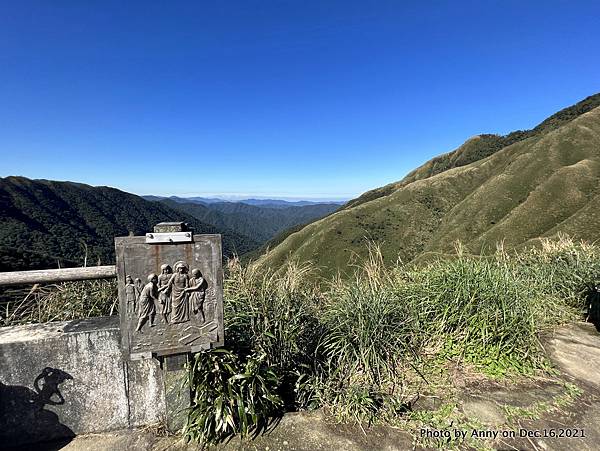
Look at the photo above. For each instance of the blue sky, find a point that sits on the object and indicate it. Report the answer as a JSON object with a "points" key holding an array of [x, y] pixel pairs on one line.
{"points": [[309, 99]]}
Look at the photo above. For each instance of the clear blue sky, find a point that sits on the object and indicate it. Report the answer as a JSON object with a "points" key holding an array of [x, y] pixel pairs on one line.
{"points": [[276, 98]]}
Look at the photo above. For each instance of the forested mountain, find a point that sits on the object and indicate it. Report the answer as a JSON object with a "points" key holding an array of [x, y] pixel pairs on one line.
{"points": [[43, 222], [260, 223], [513, 189]]}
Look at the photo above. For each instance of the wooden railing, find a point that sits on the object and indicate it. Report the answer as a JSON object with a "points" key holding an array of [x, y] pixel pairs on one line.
{"points": [[57, 275]]}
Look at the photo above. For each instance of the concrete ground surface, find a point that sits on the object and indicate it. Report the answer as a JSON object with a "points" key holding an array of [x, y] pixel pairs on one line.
{"points": [[304, 431], [536, 411]]}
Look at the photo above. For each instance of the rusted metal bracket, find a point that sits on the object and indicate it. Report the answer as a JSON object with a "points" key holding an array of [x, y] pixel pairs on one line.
{"points": [[170, 232], [141, 356], [169, 237]]}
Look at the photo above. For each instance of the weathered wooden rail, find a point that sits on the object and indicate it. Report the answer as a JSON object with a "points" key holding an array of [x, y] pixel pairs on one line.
{"points": [[57, 275]]}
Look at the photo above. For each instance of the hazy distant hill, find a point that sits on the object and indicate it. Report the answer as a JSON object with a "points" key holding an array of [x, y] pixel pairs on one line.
{"points": [[44, 221], [544, 182], [269, 203], [278, 203], [260, 222]]}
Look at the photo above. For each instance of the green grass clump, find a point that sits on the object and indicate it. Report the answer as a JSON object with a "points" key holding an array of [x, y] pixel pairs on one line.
{"points": [[482, 311], [370, 339], [62, 302], [365, 347], [562, 268], [275, 315]]}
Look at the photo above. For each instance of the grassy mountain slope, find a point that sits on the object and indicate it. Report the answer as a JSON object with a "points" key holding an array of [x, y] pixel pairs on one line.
{"points": [[273, 242], [538, 186], [479, 147], [258, 222], [42, 221]]}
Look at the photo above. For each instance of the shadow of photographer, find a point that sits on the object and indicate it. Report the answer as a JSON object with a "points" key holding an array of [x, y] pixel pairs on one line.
{"points": [[23, 417]]}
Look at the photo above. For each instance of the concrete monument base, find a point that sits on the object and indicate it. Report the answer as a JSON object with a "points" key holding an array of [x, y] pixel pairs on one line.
{"points": [[60, 379]]}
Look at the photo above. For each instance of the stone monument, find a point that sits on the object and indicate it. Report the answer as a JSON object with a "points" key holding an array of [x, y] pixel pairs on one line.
{"points": [[171, 303], [176, 304]]}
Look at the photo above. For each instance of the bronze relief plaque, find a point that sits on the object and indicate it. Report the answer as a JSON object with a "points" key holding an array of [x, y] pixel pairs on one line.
{"points": [[170, 294]]}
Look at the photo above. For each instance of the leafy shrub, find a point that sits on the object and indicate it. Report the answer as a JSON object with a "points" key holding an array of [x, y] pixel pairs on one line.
{"points": [[232, 395]]}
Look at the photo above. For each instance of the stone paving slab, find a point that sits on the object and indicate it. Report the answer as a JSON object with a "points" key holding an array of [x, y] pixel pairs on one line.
{"points": [[575, 351]]}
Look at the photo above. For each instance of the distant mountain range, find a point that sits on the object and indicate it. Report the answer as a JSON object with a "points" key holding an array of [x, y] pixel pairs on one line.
{"points": [[45, 223], [269, 203], [511, 189], [259, 222], [286, 203]]}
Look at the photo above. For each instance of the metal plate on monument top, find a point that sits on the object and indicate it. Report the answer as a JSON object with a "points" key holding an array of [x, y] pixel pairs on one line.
{"points": [[170, 291]]}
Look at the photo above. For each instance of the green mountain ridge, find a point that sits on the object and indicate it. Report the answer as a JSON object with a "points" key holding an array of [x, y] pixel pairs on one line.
{"points": [[43, 222], [541, 184], [480, 146]]}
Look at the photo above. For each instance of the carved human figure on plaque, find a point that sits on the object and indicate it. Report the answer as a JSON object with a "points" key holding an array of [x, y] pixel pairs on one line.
{"points": [[164, 291], [131, 294], [210, 305], [197, 292], [178, 284], [147, 306], [138, 288]]}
